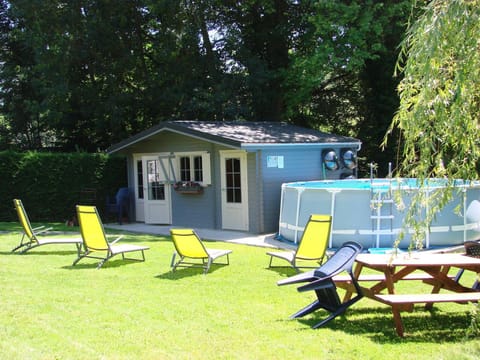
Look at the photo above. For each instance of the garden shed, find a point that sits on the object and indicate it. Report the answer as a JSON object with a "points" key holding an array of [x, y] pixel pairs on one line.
{"points": [[226, 175]]}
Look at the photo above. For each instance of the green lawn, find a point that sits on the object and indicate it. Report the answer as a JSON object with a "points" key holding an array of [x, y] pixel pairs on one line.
{"points": [[131, 310]]}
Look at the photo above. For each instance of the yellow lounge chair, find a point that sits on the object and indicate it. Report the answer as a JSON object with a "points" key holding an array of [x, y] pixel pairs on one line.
{"points": [[189, 245], [95, 242], [313, 244], [32, 237]]}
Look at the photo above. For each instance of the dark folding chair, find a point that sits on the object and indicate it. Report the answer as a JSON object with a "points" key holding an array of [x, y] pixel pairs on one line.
{"points": [[472, 248], [120, 205], [321, 281]]}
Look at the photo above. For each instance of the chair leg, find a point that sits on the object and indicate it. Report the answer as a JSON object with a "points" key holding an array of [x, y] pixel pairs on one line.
{"points": [[134, 259], [107, 257], [307, 309], [294, 265], [326, 320], [79, 249], [18, 247], [28, 247], [209, 262], [339, 311], [100, 264], [80, 257], [172, 262], [476, 285], [22, 244]]}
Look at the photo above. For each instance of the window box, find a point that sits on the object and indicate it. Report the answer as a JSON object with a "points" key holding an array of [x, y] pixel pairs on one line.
{"points": [[188, 187]]}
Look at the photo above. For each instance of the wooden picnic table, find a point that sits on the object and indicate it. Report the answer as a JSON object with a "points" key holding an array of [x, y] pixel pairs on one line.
{"points": [[431, 268]]}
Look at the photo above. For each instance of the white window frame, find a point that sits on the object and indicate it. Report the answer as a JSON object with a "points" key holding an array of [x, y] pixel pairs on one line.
{"points": [[206, 173]]}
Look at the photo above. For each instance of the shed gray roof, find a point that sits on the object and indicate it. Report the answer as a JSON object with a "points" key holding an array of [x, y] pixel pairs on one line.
{"points": [[240, 134]]}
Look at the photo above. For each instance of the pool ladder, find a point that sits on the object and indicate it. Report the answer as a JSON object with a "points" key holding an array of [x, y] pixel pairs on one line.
{"points": [[381, 204]]}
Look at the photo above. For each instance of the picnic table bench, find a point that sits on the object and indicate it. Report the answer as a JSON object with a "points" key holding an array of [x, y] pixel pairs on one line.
{"points": [[431, 268]]}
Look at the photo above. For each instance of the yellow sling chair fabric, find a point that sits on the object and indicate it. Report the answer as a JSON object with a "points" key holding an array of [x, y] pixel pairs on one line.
{"points": [[34, 237], [95, 242], [189, 245], [313, 244]]}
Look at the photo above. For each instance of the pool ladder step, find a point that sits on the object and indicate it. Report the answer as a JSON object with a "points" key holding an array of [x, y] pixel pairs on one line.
{"points": [[386, 217], [381, 202]]}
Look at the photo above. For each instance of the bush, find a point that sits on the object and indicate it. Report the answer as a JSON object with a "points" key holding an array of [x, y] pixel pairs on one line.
{"points": [[51, 184]]}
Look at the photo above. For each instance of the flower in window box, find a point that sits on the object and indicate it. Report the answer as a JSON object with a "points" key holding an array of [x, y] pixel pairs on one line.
{"points": [[188, 187]]}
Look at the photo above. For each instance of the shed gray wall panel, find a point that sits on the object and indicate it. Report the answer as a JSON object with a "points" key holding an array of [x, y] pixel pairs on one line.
{"points": [[197, 211], [255, 197]]}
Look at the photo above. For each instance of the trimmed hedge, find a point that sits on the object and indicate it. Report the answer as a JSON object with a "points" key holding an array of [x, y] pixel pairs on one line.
{"points": [[51, 184]]}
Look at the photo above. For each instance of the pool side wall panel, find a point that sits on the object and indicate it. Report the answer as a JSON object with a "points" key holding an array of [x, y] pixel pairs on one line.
{"points": [[352, 212]]}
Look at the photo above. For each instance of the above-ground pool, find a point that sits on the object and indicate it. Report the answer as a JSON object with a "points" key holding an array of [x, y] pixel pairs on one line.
{"points": [[365, 210]]}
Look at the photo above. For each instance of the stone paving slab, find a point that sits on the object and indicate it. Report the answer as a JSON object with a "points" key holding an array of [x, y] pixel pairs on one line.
{"points": [[239, 237]]}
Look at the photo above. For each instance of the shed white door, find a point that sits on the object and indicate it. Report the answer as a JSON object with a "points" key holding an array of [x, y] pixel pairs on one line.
{"points": [[233, 168], [157, 197]]}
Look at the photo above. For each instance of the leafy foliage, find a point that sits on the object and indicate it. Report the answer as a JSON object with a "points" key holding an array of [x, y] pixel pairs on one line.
{"points": [[439, 99], [440, 92], [86, 74], [51, 184]]}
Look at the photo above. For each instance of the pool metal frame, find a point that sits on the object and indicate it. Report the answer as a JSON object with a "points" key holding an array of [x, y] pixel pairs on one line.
{"points": [[381, 205]]}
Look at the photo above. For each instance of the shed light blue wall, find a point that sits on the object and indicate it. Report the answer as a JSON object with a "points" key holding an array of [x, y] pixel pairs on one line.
{"points": [[299, 164]]}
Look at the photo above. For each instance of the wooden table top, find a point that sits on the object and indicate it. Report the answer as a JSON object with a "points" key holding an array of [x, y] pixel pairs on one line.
{"points": [[418, 259]]}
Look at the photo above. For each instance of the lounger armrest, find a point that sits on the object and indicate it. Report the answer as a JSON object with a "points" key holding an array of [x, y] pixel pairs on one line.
{"points": [[114, 241], [304, 277], [41, 229]]}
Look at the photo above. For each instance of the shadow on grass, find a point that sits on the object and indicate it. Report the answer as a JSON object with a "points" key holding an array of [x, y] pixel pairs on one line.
{"points": [[92, 264], [284, 271], [190, 271], [377, 323], [36, 252]]}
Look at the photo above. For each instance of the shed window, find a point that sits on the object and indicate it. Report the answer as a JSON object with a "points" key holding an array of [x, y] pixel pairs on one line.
{"points": [[194, 167], [185, 168], [233, 180], [140, 179]]}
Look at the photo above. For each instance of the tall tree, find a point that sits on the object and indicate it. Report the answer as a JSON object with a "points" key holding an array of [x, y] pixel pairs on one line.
{"points": [[87, 73], [341, 78], [379, 86]]}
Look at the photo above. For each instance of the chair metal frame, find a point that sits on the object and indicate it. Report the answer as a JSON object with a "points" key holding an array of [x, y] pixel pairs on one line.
{"points": [[309, 239], [34, 237], [95, 239], [195, 250]]}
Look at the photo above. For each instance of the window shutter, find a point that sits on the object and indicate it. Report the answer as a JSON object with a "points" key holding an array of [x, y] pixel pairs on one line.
{"points": [[207, 176]]}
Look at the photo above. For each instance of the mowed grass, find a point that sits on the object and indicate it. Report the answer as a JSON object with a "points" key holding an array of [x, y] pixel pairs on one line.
{"points": [[141, 310]]}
